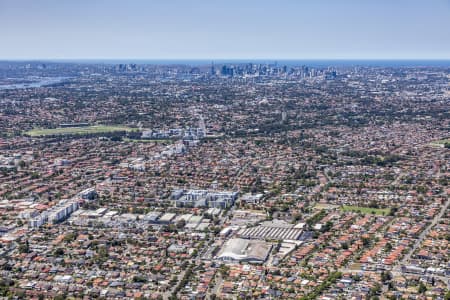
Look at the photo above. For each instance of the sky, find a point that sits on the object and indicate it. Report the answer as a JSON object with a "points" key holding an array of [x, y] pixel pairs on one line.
{"points": [[224, 29]]}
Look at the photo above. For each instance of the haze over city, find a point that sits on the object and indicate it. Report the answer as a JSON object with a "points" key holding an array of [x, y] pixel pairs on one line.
{"points": [[199, 29]]}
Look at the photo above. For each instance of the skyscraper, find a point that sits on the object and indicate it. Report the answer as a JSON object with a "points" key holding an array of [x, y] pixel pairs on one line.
{"points": [[213, 70]]}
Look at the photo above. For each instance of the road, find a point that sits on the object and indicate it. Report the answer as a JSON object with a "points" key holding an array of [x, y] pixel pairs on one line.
{"points": [[424, 233], [325, 173], [395, 273], [218, 283], [198, 260], [238, 175], [169, 292]]}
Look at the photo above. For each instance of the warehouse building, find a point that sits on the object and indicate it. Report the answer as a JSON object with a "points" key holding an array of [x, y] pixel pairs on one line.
{"points": [[243, 250]]}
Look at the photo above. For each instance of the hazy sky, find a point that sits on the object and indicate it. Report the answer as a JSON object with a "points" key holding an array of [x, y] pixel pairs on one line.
{"points": [[212, 29]]}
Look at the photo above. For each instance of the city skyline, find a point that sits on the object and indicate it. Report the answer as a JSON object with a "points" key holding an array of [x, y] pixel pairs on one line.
{"points": [[253, 30]]}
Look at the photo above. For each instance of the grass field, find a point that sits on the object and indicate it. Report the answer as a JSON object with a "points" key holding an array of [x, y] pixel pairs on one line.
{"points": [[324, 206], [440, 143], [166, 141], [77, 130], [367, 210], [355, 267]]}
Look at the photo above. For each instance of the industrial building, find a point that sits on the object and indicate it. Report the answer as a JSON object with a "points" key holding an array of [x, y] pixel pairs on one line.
{"points": [[274, 231], [243, 250]]}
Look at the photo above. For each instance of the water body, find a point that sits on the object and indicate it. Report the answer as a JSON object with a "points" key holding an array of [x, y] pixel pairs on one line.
{"points": [[33, 83]]}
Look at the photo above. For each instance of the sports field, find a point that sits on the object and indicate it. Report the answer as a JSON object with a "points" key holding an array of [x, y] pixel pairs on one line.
{"points": [[440, 143], [367, 210], [149, 141], [76, 130], [325, 206]]}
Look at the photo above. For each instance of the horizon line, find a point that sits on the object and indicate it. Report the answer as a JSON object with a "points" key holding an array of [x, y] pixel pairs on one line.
{"points": [[221, 59]]}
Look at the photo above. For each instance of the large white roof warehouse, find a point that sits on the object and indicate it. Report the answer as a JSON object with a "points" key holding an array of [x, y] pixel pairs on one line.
{"points": [[265, 232], [244, 250], [272, 230]]}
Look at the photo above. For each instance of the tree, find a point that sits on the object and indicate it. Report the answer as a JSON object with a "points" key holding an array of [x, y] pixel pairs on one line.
{"points": [[59, 252], [366, 241], [138, 278], [447, 296], [60, 297], [388, 247], [386, 276], [4, 286], [224, 269], [180, 224], [24, 248], [393, 211], [327, 226], [422, 288], [376, 289]]}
